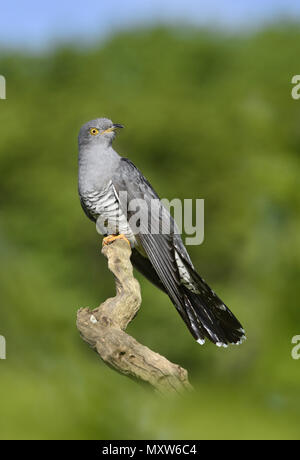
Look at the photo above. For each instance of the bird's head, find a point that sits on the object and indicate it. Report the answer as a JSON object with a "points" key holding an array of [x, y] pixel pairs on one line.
{"points": [[97, 132]]}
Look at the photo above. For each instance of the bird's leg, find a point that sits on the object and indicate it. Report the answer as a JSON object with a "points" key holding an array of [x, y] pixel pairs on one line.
{"points": [[111, 238]]}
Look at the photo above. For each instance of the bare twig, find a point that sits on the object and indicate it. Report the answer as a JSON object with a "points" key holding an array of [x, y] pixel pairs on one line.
{"points": [[103, 328]]}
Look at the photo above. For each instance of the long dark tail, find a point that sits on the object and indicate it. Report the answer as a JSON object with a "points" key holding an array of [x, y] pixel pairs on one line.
{"points": [[208, 315], [204, 313]]}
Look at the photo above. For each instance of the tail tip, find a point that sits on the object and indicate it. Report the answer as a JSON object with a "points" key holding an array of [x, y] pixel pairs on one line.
{"points": [[224, 345], [239, 342]]}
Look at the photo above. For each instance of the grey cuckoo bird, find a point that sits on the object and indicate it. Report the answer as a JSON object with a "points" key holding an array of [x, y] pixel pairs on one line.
{"points": [[104, 179]]}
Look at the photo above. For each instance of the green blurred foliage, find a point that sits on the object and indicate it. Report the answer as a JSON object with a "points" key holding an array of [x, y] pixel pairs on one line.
{"points": [[209, 116]]}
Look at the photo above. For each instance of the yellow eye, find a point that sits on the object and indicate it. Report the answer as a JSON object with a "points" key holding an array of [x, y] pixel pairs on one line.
{"points": [[94, 131]]}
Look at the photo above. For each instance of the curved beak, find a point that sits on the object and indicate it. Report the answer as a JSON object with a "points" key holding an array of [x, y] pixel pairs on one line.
{"points": [[113, 128]]}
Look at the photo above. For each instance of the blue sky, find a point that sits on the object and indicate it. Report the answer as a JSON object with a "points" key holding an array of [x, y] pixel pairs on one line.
{"points": [[36, 24]]}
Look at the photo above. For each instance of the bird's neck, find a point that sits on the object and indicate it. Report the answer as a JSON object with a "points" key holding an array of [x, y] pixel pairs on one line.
{"points": [[96, 167]]}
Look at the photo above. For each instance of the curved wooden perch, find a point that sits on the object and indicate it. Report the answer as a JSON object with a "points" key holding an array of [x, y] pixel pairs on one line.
{"points": [[103, 328]]}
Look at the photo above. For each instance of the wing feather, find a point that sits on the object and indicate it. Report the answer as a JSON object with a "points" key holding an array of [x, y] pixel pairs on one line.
{"points": [[201, 309]]}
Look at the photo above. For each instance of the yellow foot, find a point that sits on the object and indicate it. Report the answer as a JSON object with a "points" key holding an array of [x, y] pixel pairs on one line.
{"points": [[111, 238]]}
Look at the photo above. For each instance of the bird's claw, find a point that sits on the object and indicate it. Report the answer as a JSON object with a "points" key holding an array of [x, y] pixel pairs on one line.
{"points": [[111, 238]]}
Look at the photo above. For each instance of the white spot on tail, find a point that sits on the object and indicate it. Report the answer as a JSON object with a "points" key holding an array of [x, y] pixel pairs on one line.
{"points": [[242, 339]]}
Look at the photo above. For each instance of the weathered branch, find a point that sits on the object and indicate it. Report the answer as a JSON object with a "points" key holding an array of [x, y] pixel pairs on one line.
{"points": [[103, 328]]}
